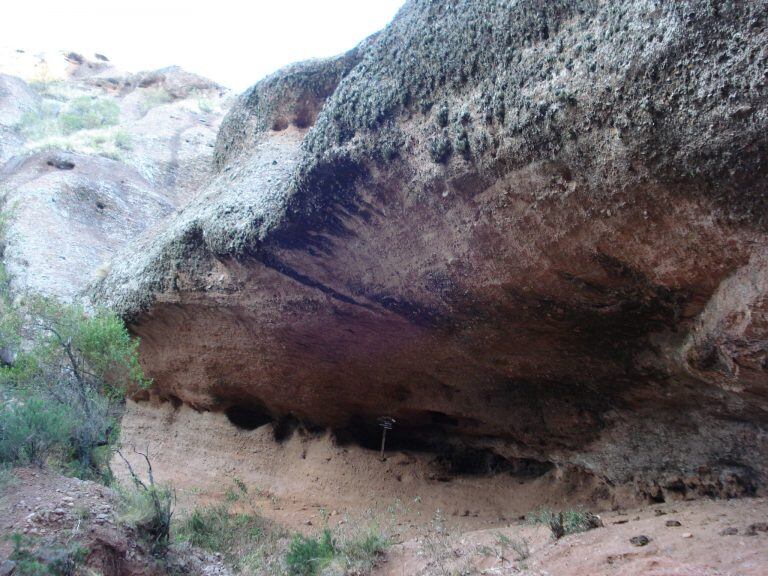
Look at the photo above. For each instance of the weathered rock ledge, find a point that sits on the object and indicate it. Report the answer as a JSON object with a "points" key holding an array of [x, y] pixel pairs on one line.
{"points": [[535, 229]]}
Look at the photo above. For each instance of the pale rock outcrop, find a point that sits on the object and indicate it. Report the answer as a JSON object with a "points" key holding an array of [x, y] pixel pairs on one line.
{"points": [[16, 100], [73, 196]]}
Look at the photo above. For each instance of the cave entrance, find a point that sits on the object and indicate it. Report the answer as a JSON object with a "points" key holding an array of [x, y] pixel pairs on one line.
{"points": [[247, 417], [439, 435]]}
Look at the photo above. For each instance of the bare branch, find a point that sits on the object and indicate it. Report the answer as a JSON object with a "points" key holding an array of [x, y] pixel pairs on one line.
{"points": [[149, 464], [136, 480]]}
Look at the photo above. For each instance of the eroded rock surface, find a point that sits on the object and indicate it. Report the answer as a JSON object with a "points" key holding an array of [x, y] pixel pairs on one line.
{"points": [[532, 228], [16, 99], [68, 216], [91, 157]]}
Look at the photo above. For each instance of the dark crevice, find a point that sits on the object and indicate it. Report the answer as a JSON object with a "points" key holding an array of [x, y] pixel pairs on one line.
{"points": [[466, 461], [452, 458], [247, 417], [61, 164], [272, 262], [284, 427]]}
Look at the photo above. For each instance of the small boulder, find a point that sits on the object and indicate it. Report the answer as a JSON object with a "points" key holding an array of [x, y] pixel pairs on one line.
{"points": [[672, 523], [753, 529], [639, 540]]}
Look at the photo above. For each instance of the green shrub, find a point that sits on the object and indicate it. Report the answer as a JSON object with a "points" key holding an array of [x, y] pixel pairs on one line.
{"points": [[307, 556], [6, 477], [216, 529], [153, 97], [56, 560], [31, 428], [88, 112], [123, 140], [440, 148], [40, 123], [565, 522], [66, 386], [363, 552]]}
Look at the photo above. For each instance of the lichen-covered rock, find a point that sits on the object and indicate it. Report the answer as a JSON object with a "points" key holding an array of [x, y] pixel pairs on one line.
{"points": [[534, 228]]}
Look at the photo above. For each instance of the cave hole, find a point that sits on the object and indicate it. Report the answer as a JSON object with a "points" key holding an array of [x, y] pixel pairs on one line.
{"points": [[247, 417], [442, 419], [279, 124], [435, 433], [285, 427], [469, 461], [61, 164]]}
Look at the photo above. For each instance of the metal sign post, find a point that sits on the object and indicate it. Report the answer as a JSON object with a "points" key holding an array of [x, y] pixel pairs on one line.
{"points": [[386, 423]]}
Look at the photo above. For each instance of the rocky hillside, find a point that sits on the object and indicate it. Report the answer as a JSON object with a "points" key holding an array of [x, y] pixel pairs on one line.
{"points": [[528, 231], [91, 156]]}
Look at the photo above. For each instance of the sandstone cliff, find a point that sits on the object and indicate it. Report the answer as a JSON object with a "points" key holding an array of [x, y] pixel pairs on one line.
{"points": [[535, 229]]}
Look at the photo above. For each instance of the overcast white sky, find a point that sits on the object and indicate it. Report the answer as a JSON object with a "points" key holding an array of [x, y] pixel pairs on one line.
{"points": [[234, 42]]}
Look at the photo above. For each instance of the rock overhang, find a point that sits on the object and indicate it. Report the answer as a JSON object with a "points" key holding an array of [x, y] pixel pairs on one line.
{"points": [[548, 287]]}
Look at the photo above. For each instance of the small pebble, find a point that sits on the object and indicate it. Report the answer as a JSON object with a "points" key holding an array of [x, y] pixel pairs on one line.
{"points": [[687, 535], [672, 523]]}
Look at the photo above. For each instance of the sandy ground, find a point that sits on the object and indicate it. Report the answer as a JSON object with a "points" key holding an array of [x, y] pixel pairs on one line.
{"points": [[443, 525], [295, 480], [702, 545]]}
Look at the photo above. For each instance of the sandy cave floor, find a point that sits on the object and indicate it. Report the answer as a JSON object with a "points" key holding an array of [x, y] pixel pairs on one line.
{"points": [[465, 524], [299, 479]]}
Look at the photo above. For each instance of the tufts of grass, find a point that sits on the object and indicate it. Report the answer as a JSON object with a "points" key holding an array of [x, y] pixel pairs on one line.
{"points": [[353, 548], [86, 112], [253, 545], [234, 493], [148, 508], [55, 560], [308, 556], [123, 140], [152, 98], [217, 529], [565, 522], [363, 550]]}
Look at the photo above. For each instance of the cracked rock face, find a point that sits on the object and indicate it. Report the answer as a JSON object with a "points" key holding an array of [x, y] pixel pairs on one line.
{"points": [[532, 228]]}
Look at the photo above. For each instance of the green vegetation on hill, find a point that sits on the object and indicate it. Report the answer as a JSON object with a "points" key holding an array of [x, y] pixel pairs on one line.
{"points": [[88, 112], [63, 379]]}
